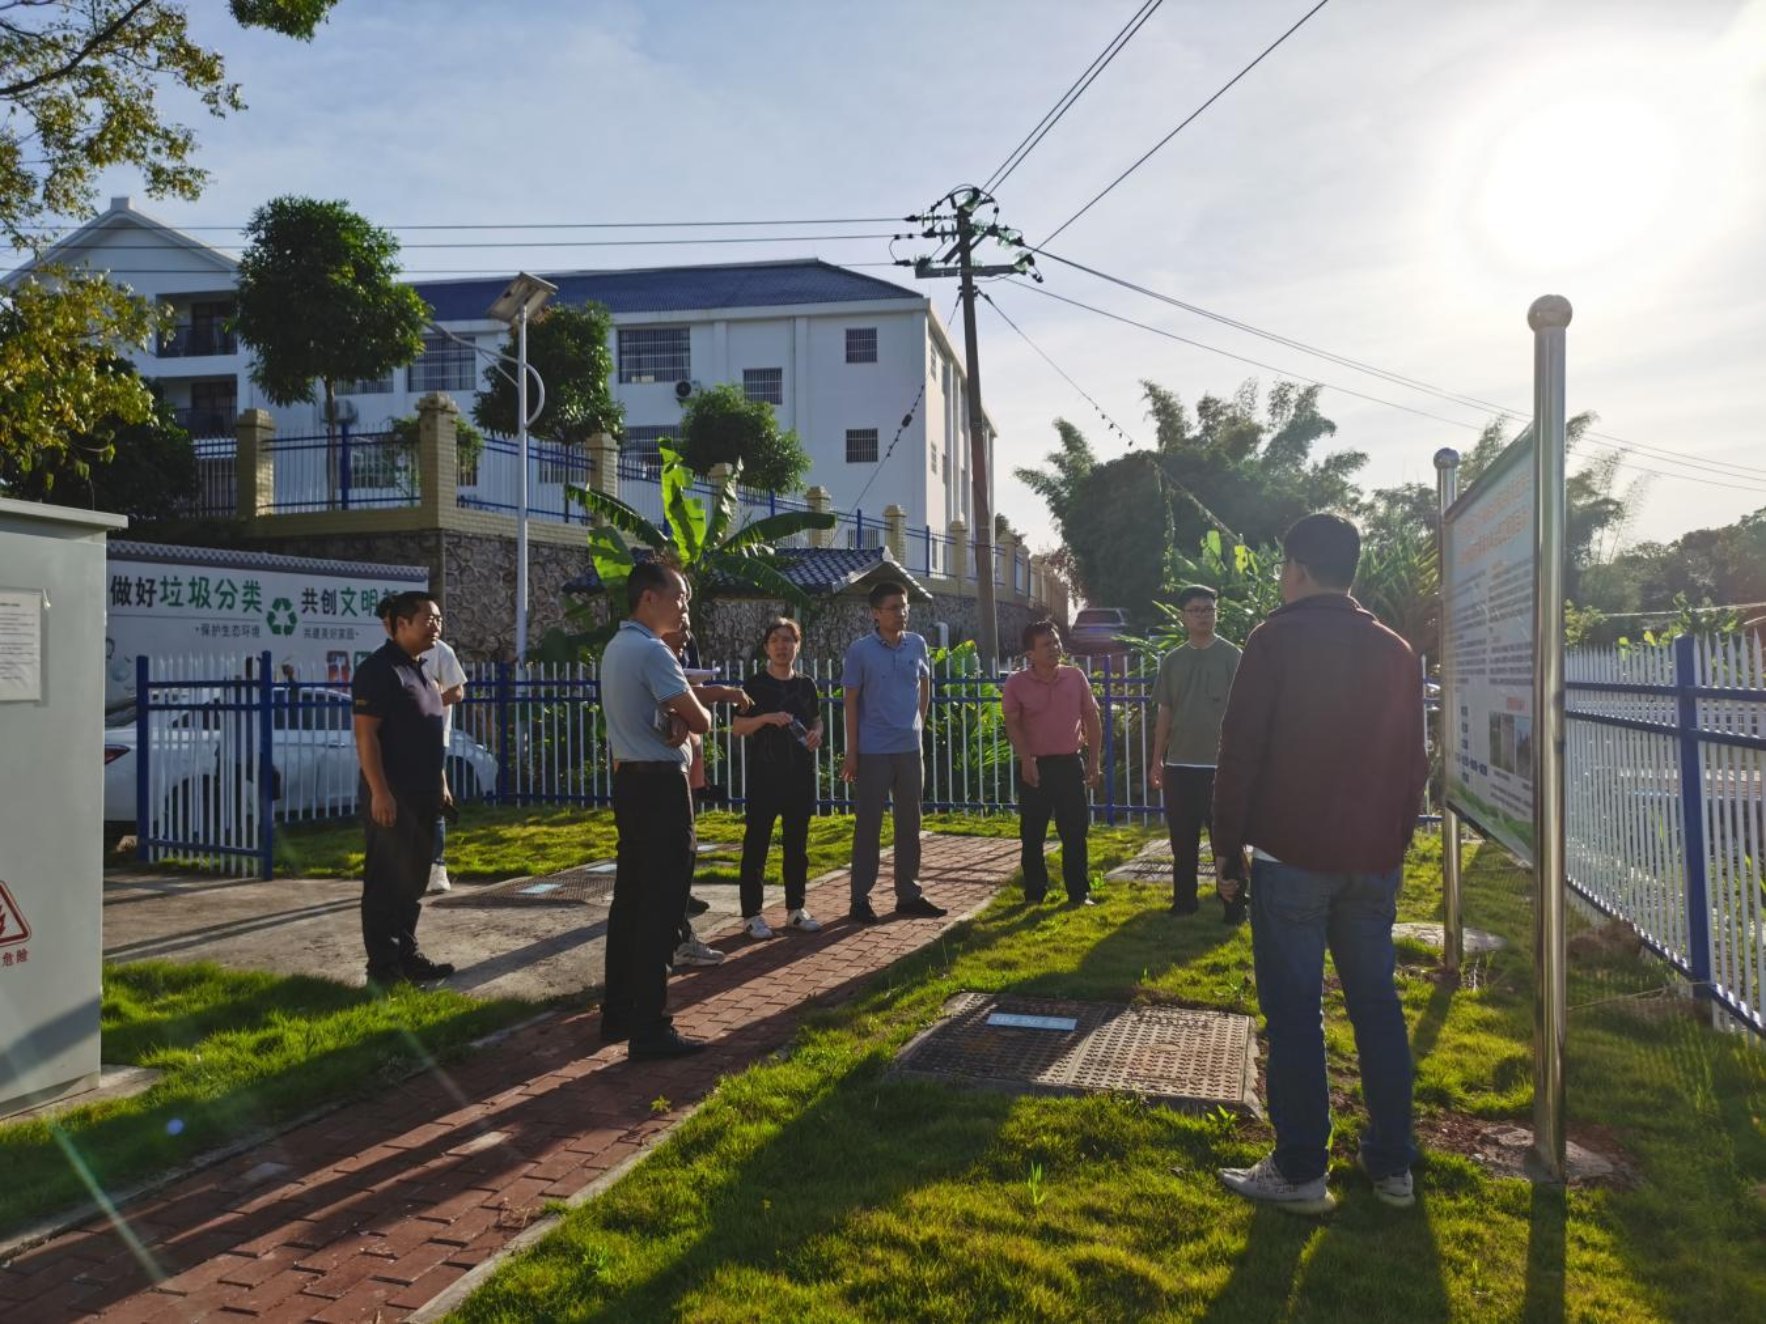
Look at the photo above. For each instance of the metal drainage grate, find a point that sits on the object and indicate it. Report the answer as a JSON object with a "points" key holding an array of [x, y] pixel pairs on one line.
{"points": [[1195, 1060]]}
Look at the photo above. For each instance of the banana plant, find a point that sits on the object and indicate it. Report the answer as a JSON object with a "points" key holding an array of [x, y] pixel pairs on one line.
{"points": [[719, 556]]}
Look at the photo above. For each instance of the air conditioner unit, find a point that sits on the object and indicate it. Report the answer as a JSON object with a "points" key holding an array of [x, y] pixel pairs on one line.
{"points": [[685, 390]]}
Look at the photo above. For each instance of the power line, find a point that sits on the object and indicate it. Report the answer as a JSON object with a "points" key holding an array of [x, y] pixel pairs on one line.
{"points": [[1733, 483], [1187, 121], [603, 243], [572, 225], [1052, 117], [1158, 464], [1606, 440]]}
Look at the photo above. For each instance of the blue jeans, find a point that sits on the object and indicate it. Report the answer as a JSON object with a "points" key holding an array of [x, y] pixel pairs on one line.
{"points": [[1295, 915]]}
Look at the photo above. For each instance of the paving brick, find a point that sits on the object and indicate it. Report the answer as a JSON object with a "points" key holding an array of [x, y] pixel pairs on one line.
{"points": [[426, 1288], [381, 1206], [270, 1294]]}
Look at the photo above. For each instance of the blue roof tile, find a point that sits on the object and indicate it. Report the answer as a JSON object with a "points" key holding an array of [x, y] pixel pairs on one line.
{"points": [[677, 289], [818, 571]]}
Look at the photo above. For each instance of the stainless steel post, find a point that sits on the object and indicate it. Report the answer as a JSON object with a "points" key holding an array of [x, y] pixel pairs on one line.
{"points": [[521, 499], [1452, 918], [1548, 317]]}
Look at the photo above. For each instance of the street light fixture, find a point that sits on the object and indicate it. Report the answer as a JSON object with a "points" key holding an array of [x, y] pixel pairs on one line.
{"points": [[515, 306]]}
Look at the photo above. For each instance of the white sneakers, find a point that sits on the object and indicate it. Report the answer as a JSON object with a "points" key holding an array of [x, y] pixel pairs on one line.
{"points": [[438, 878], [697, 953], [1265, 1182], [1398, 1190], [755, 926]]}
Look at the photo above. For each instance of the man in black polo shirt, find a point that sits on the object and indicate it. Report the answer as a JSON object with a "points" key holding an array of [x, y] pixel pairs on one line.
{"points": [[398, 724]]}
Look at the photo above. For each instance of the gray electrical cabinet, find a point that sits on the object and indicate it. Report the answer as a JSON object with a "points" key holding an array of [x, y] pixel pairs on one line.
{"points": [[52, 606]]}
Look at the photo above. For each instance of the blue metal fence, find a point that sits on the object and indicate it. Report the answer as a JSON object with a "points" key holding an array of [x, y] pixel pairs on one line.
{"points": [[493, 481], [345, 471], [1666, 805]]}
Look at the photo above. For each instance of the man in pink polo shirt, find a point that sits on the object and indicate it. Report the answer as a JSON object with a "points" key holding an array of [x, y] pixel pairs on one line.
{"points": [[1050, 713]]}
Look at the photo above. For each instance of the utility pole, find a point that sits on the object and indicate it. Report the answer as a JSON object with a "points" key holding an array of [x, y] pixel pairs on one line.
{"points": [[984, 598], [964, 202]]}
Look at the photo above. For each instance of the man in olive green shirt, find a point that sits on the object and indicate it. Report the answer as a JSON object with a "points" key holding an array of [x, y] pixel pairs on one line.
{"points": [[1191, 692]]}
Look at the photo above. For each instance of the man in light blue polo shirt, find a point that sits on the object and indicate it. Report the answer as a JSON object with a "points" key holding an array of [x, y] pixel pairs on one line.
{"points": [[649, 711], [888, 686]]}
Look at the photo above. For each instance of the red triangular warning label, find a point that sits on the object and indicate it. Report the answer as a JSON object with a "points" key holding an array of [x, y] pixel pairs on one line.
{"points": [[12, 920]]}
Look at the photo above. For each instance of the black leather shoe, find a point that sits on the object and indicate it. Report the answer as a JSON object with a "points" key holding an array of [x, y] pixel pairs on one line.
{"points": [[670, 1044], [696, 906], [862, 913], [1034, 898], [1074, 902], [920, 908], [1235, 913], [420, 969], [386, 979]]}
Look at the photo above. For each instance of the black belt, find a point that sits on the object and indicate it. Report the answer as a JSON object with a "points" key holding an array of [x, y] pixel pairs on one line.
{"points": [[1044, 758], [652, 769]]}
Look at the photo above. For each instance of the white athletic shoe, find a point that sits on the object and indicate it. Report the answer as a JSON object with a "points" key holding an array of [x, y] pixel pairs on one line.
{"points": [[801, 920], [755, 926], [1397, 1190], [438, 878], [697, 953], [1265, 1182]]}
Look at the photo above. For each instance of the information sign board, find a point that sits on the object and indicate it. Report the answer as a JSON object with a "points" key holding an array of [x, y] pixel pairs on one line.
{"points": [[1488, 591]]}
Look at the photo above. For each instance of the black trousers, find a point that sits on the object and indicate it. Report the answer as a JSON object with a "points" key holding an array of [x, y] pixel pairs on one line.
{"points": [[1060, 794], [787, 794], [653, 812], [1189, 807], [394, 876]]}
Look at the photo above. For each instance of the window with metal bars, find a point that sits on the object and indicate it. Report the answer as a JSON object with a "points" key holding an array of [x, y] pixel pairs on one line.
{"points": [[861, 445], [861, 344], [655, 354], [764, 384], [446, 365]]}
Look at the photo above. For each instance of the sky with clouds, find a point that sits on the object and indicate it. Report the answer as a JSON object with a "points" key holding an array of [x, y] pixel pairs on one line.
{"points": [[1394, 184]]}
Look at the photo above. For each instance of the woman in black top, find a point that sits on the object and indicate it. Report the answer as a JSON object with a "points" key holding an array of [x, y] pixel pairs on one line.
{"points": [[784, 729]]}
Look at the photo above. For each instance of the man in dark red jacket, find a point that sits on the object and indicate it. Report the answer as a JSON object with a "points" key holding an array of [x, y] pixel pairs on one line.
{"points": [[1320, 779]]}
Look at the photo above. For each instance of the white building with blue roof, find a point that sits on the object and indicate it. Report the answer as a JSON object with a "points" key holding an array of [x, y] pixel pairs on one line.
{"points": [[842, 356]]}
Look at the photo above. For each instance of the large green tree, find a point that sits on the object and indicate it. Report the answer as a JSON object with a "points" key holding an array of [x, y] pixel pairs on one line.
{"points": [[320, 300], [721, 425], [568, 346], [82, 91], [143, 469]]}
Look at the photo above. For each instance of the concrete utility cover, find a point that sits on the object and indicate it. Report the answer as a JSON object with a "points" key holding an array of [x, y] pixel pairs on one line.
{"points": [[1193, 1060], [1477, 941], [1152, 864]]}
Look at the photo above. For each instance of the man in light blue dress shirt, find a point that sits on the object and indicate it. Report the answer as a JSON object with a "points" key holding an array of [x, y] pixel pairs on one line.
{"points": [[888, 685]]}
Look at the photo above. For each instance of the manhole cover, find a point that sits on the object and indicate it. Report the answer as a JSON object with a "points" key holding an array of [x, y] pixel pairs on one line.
{"points": [[1195, 1060]]}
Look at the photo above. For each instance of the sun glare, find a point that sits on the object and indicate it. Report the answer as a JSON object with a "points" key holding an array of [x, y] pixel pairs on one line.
{"points": [[1618, 163]]}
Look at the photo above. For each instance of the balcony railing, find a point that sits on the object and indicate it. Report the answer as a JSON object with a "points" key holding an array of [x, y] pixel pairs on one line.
{"points": [[205, 421], [197, 338]]}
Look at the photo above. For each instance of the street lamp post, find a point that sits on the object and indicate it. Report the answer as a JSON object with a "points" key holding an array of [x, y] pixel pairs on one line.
{"points": [[525, 296]]}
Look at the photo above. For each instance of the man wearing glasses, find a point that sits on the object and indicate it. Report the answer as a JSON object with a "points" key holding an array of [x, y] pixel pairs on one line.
{"points": [[1191, 691]]}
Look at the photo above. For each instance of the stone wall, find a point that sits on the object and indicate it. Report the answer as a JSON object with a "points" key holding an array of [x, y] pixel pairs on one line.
{"points": [[731, 627]]}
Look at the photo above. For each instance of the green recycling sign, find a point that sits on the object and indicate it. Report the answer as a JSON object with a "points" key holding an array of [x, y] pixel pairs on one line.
{"points": [[281, 618]]}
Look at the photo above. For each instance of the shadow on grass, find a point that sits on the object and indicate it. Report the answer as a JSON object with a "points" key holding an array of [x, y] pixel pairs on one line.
{"points": [[1544, 1302]]}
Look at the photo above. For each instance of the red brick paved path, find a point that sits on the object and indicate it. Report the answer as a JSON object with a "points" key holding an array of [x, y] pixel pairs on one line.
{"points": [[373, 1211]]}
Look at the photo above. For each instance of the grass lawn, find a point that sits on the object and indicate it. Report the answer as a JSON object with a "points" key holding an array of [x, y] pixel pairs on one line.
{"points": [[812, 1188], [239, 1052], [494, 841]]}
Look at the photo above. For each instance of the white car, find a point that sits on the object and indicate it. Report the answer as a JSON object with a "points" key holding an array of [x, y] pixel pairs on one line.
{"points": [[312, 754]]}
